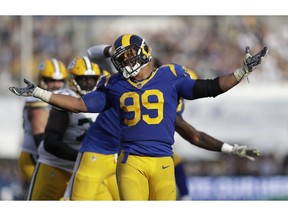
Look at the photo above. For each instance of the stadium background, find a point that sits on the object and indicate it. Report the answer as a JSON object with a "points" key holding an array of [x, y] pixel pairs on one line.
{"points": [[254, 113]]}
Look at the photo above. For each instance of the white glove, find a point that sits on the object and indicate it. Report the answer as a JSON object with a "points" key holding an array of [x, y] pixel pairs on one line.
{"points": [[31, 90], [244, 151], [250, 63]]}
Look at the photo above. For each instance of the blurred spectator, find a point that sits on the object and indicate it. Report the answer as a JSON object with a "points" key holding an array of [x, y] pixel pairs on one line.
{"points": [[191, 40]]}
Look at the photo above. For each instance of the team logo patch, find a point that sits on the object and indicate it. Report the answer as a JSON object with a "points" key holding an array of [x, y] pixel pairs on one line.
{"points": [[71, 64], [165, 167], [42, 65]]}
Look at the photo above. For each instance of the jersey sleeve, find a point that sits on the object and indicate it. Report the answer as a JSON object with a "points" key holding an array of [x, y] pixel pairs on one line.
{"points": [[184, 83], [97, 101]]}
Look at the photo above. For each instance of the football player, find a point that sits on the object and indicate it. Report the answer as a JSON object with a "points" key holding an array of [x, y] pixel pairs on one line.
{"points": [[94, 174], [146, 101], [63, 135], [52, 75]]}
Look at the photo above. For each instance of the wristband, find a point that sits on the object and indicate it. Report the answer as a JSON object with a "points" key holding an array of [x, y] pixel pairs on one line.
{"points": [[239, 73], [226, 148], [42, 94]]}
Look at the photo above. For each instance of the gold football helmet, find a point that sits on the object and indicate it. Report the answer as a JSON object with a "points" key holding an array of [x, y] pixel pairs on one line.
{"points": [[51, 69], [84, 75]]}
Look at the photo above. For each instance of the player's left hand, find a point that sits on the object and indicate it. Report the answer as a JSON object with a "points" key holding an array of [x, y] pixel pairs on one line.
{"points": [[244, 151], [26, 92], [250, 63]]}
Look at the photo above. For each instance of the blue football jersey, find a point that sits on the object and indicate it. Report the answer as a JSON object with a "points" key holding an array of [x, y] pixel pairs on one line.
{"points": [[146, 109], [103, 135]]}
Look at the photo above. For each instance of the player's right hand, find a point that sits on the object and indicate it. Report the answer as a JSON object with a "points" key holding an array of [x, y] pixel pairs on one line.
{"points": [[27, 91]]}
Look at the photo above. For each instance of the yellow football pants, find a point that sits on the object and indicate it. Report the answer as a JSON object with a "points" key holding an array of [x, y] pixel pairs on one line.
{"points": [[48, 183], [94, 178], [145, 178]]}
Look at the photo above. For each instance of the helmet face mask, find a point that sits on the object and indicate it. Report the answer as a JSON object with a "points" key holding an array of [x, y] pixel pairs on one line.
{"points": [[83, 75], [85, 84], [130, 54]]}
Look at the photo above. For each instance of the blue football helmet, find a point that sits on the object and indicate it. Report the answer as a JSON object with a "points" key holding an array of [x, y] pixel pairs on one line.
{"points": [[129, 54]]}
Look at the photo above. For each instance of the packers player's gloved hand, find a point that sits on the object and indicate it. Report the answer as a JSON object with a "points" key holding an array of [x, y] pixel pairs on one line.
{"points": [[244, 151], [31, 90], [250, 63]]}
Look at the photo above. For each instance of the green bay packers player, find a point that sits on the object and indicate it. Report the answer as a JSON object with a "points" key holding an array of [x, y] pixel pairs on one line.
{"points": [[52, 75], [146, 101], [94, 174], [63, 135]]}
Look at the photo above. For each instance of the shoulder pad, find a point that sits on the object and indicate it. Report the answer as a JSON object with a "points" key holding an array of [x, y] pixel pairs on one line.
{"points": [[176, 69], [109, 80]]}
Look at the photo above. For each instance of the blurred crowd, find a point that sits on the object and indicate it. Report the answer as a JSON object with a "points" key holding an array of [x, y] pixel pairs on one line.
{"points": [[265, 165], [211, 45]]}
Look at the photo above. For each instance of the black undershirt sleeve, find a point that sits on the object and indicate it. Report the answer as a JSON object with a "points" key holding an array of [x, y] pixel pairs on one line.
{"points": [[53, 137], [206, 88], [54, 145]]}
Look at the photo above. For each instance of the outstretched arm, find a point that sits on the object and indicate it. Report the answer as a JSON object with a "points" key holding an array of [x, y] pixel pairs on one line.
{"points": [[212, 88], [69, 103], [250, 63], [205, 141], [65, 102]]}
